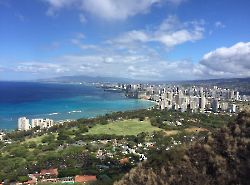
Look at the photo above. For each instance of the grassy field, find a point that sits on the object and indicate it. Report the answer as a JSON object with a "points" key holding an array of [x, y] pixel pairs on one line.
{"points": [[125, 127]]}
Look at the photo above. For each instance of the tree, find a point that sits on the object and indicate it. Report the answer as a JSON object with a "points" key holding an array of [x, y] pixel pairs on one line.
{"points": [[69, 172], [83, 128], [2, 176], [19, 151], [63, 136], [141, 117], [32, 144], [48, 139], [22, 178]]}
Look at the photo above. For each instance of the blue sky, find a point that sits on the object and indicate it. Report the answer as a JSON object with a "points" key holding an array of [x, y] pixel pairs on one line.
{"points": [[141, 39]]}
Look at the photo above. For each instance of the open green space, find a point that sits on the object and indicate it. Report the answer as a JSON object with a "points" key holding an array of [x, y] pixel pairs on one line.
{"points": [[124, 127]]}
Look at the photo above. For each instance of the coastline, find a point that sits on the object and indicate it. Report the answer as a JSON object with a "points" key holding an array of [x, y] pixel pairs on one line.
{"points": [[93, 103], [70, 120], [152, 101]]}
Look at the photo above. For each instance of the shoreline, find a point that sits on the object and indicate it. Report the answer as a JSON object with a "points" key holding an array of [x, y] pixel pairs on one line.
{"points": [[68, 119], [58, 109], [152, 101]]}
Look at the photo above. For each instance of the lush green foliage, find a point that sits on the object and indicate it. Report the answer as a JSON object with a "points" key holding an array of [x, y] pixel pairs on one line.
{"points": [[70, 146]]}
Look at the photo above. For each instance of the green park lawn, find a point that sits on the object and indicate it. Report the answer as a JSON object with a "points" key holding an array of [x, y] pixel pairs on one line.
{"points": [[125, 127]]}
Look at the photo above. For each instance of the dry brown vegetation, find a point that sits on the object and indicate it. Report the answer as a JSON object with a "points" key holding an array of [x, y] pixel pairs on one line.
{"points": [[195, 129], [188, 130], [221, 158]]}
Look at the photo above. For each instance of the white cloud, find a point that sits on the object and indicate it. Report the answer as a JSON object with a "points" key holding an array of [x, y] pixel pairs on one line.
{"points": [[133, 36], [117, 9], [219, 24], [170, 32], [42, 68], [223, 62], [231, 61], [108, 9], [88, 46], [56, 5], [78, 41], [82, 46], [143, 72], [179, 37]]}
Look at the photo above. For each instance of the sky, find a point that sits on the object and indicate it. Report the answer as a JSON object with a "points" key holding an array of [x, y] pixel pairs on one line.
{"points": [[137, 39]]}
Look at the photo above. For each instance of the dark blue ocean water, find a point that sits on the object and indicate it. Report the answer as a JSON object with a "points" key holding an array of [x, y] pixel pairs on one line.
{"points": [[58, 102]]}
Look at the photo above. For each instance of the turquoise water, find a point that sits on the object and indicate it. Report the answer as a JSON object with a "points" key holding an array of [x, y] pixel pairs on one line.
{"points": [[59, 102]]}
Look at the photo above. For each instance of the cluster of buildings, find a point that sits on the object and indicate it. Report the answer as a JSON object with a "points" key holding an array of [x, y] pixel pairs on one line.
{"points": [[180, 98], [25, 124], [51, 176], [123, 152], [124, 149], [198, 99]]}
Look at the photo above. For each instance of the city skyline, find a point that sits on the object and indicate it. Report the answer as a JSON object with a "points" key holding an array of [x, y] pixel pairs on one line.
{"points": [[139, 39]]}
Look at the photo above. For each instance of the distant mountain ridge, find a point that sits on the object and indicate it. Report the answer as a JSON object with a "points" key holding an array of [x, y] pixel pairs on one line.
{"points": [[84, 78], [220, 80], [240, 84], [88, 79]]}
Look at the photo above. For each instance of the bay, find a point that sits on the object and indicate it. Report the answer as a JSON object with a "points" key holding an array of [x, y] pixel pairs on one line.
{"points": [[59, 102]]}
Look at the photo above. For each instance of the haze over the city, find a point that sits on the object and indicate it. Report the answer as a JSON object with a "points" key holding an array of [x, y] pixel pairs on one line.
{"points": [[139, 39]]}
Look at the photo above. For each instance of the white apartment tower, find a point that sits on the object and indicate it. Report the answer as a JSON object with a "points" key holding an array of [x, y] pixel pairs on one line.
{"points": [[42, 123], [237, 95], [233, 108], [23, 124]]}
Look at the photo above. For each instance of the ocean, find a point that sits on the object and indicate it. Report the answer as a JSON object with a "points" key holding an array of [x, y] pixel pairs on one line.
{"points": [[59, 102]]}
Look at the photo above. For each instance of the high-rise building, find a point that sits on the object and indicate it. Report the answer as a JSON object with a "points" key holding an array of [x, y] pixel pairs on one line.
{"points": [[202, 104], [169, 105], [201, 90], [23, 124], [232, 108], [42, 123], [194, 103], [237, 95], [231, 94], [215, 105], [224, 106], [183, 107], [162, 104], [170, 96]]}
